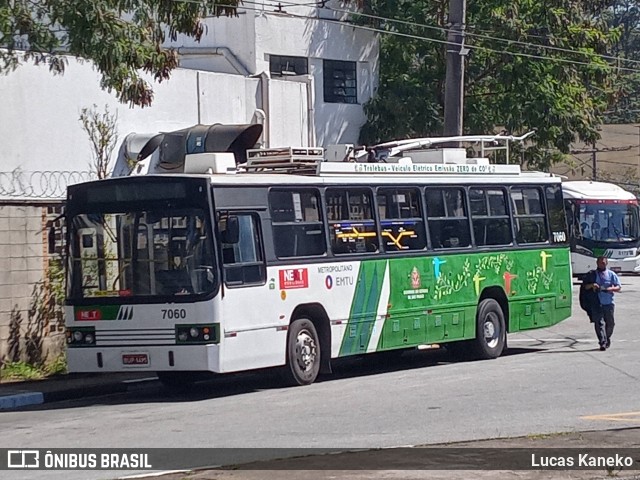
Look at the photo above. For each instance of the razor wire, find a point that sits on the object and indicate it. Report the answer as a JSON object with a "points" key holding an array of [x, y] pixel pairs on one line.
{"points": [[50, 184]]}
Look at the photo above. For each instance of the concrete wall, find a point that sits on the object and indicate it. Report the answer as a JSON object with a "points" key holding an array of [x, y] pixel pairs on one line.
{"points": [[23, 260], [40, 128]]}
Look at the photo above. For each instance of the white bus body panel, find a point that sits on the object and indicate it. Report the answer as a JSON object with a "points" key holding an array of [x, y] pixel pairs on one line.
{"points": [[256, 338]]}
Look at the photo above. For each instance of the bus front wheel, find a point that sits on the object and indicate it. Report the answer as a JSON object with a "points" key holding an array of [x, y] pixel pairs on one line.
{"points": [[491, 334], [303, 353]]}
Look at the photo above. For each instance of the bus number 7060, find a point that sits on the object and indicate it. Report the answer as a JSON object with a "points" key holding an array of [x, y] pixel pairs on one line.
{"points": [[174, 313]]}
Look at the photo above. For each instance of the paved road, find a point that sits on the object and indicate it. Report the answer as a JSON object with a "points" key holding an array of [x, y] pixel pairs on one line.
{"points": [[552, 380]]}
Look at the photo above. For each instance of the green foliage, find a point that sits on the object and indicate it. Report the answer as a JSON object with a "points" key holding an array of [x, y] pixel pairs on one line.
{"points": [[27, 371], [102, 129], [624, 15], [57, 366], [562, 94], [25, 356], [20, 371], [121, 37]]}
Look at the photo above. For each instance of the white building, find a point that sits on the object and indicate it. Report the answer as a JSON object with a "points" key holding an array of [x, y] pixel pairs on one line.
{"points": [[301, 71]]}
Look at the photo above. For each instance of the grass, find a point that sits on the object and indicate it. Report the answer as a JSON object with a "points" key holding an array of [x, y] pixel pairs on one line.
{"points": [[16, 371], [543, 436]]}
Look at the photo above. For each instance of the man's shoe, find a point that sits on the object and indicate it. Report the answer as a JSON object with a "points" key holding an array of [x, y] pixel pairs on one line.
{"points": [[603, 348], [608, 344]]}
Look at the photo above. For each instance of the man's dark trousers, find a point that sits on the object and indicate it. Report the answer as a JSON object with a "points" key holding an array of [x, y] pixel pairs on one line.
{"points": [[603, 322]]}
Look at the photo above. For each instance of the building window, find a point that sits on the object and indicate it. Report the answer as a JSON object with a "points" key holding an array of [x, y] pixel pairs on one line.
{"points": [[340, 83], [280, 66]]}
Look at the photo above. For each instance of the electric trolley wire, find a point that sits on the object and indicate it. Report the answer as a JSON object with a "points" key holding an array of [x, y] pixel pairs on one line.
{"points": [[489, 37], [430, 39], [424, 38], [447, 30]]}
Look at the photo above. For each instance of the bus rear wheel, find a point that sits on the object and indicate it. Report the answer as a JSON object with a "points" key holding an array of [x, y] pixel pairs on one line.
{"points": [[491, 333], [303, 353]]}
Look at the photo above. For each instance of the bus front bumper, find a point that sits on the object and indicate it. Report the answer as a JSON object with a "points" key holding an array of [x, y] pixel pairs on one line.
{"points": [[141, 358]]}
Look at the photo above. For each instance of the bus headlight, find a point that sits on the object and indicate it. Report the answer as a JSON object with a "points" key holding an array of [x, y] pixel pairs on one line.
{"points": [[81, 336], [197, 334]]}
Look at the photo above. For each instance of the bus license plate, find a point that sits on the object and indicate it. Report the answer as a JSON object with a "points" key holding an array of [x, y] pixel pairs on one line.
{"points": [[135, 359]]}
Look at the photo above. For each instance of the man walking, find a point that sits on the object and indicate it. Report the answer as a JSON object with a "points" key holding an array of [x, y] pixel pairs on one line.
{"points": [[606, 284]]}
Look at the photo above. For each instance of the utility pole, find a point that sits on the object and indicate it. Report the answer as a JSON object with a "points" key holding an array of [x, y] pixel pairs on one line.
{"points": [[454, 80], [594, 160], [638, 164]]}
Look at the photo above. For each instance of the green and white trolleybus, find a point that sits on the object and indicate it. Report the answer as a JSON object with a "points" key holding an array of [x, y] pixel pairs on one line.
{"points": [[225, 262]]}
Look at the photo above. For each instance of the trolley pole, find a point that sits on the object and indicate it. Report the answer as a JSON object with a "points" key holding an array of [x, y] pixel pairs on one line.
{"points": [[454, 80]]}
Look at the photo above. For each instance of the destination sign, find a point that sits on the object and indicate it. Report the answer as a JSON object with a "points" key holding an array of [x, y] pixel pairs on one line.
{"points": [[417, 168]]}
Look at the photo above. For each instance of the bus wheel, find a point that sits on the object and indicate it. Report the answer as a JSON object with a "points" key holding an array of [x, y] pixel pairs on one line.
{"points": [[303, 353], [491, 333]]}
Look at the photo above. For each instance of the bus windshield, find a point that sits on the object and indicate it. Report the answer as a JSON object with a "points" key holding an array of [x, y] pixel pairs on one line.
{"points": [[145, 253], [607, 222]]}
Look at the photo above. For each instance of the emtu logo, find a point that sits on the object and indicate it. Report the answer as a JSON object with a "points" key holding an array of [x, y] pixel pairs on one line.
{"points": [[23, 459]]}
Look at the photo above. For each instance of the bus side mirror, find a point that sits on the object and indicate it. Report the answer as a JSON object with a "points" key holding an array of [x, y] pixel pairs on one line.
{"points": [[51, 240], [231, 234]]}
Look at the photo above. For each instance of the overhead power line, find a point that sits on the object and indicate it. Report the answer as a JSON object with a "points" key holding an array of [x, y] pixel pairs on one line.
{"points": [[426, 38], [432, 39], [489, 37]]}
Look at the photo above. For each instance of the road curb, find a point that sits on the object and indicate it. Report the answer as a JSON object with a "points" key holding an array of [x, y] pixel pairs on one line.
{"points": [[85, 391], [17, 400], [25, 399]]}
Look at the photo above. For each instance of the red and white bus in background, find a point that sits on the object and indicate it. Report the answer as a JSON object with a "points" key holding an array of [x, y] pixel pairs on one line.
{"points": [[603, 220]]}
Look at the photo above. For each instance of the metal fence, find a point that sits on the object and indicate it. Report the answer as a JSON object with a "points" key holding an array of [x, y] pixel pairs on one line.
{"points": [[20, 184]]}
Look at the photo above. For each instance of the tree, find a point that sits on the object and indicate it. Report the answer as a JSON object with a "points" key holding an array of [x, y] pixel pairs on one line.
{"points": [[531, 65], [121, 37], [102, 129], [624, 15]]}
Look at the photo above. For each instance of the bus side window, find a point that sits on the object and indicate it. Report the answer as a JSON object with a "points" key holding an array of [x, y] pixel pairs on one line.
{"points": [[491, 223], [243, 260], [447, 218], [531, 226], [557, 215], [352, 227], [298, 230], [401, 223]]}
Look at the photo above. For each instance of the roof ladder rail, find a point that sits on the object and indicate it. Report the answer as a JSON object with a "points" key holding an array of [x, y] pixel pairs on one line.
{"points": [[287, 159]]}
